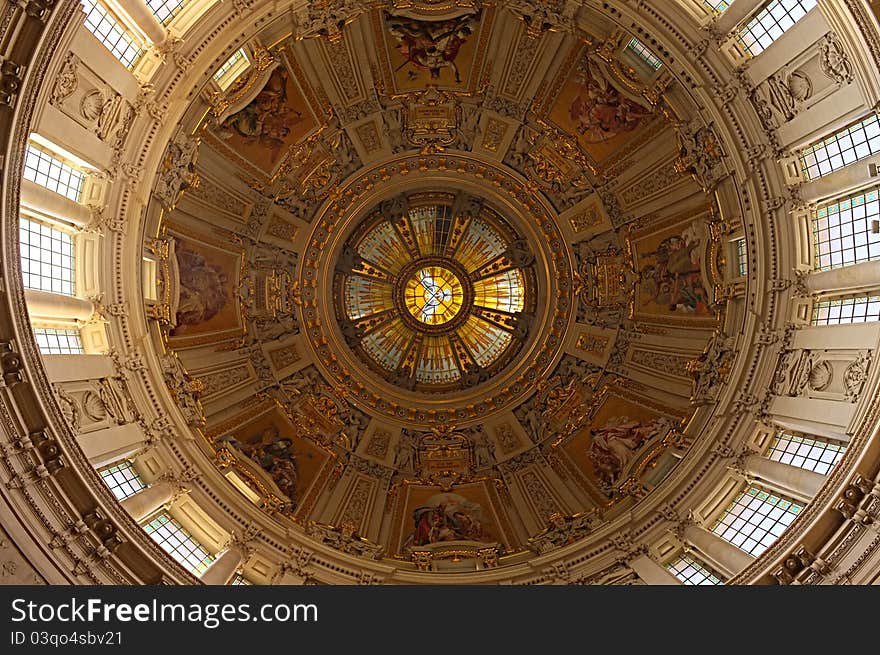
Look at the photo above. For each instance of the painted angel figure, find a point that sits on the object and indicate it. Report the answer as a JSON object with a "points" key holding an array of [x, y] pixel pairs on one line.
{"points": [[615, 445], [431, 45]]}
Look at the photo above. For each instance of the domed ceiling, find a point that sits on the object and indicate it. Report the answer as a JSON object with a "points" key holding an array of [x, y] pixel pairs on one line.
{"points": [[436, 276]]}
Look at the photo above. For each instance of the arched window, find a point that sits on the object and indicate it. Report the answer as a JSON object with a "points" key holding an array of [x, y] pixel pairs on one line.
{"points": [[122, 479], [110, 32], [232, 68], [47, 257], [692, 571], [843, 232], [46, 169], [851, 144], [644, 54], [863, 308], [240, 580], [755, 519], [165, 10], [58, 341], [178, 542], [718, 5], [771, 21], [815, 454]]}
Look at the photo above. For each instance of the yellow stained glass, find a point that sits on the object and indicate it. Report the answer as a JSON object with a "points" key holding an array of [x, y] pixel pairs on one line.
{"points": [[423, 310], [505, 291], [434, 295]]}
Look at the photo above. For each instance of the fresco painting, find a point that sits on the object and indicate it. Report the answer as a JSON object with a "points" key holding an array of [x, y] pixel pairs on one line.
{"points": [[433, 516], [271, 442], [424, 52], [207, 276], [276, 119], [620, 432], [669, 262], [591, 107]]}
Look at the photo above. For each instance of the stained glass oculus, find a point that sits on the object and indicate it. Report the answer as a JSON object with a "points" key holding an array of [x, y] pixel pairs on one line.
{"points": [[436, 295]]}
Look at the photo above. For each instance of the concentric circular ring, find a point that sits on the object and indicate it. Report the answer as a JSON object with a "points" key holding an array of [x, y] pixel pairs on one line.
{"points": [[434, 295]]}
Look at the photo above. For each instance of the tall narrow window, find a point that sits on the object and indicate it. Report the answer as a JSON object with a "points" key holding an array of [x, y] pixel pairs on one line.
{"points": [[46, 258], [693, 572], [122, 479], [742, 257], [810, 453], [179, 543], [772, 21], [846, 147], [842, 233], [108, 31], [165, 10], [644, 53], [50, 172], [232, 68], [58, 342], [755, 519], [839, 311]]}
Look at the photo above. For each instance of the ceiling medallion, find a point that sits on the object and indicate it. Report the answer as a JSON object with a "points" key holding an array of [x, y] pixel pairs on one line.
{"points": [[435, 295], [487, 323]]}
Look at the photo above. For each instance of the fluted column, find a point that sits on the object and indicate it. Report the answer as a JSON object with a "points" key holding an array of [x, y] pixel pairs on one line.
{"points": [[847, 279], [651, 573], [56, 306], [147, 501], [785, 478], [722, 554], [223, 568]]}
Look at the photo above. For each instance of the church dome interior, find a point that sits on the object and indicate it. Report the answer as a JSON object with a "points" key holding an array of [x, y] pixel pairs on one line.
{"points": [[440, 292]]}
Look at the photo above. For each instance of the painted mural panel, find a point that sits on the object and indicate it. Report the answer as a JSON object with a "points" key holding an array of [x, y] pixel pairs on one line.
{"points": [[592, 107], [272, 442], [622, 430], [432, 516], [208, 275], [669, 259], [439, 53], [276, 119]]}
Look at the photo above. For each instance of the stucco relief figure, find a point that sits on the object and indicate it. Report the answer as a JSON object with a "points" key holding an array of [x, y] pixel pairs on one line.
{"points": [[615, 445], [431, 45], [275, 455], [204, 288], [446, 517], [675, 279], [600, 112], [268, 118]]}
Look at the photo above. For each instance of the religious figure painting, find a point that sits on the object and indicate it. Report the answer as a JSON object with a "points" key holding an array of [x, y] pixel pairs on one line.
{"points": [[204, 287], [671, 277], [277, 118], [272, 443], [615, 444], [592, 107], [207, 276], [431, 52], [623, 429], [433, 516]]}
